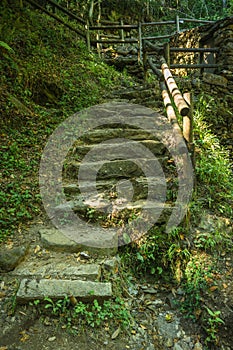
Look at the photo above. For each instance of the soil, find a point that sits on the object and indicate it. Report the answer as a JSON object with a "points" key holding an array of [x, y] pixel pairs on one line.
{"points": [[157, 322]]}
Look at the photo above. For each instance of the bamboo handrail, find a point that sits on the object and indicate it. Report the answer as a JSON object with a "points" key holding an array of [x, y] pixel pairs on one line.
{"points": [[182, 106]]}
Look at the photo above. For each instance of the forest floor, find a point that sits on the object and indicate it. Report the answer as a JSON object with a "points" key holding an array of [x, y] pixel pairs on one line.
{"points": [[46, 79]]}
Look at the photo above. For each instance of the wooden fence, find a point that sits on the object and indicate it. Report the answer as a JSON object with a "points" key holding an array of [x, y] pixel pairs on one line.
{"points": [[108, 33]]}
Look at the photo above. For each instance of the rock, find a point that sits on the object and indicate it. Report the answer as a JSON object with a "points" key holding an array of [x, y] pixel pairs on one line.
{"points": [[198, 346], [88, 238], [10, 258], [181, 346], [111, 265], [56, 289], [51, 339], [177, 347], [62, 269], [215, 79], [169, 342]]}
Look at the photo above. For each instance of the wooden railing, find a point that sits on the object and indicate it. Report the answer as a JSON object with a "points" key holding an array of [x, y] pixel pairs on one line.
{"points": [[106, 34]]}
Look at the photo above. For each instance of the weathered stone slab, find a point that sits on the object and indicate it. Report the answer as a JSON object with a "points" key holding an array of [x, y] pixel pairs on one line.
{"points": [[100, 135], [10, 258], [56, 289], [116, 169], [58, 270], [112, 149], [215, 79], [139, 186], [54, 239], [88, 238]]}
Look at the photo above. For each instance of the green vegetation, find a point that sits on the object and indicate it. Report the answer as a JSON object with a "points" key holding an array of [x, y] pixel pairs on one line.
{"points": [[48, 76], [213, 166], [71, 313], [213, 323]]}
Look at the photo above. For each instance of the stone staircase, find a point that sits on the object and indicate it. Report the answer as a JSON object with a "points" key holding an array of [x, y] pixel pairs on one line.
{"points": [[117, 193]]}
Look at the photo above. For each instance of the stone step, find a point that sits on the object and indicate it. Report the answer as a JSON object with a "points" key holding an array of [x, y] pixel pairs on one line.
{"points": [[104, 206], [94, 239], [105, 134], [34, 289], [135, 188], [115, 169], [111, 149], [64, 269]]}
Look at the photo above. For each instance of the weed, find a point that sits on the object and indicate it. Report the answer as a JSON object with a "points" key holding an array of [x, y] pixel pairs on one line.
{"points": [[195, 283], [212, 326], [213, 167], [91, 314]]}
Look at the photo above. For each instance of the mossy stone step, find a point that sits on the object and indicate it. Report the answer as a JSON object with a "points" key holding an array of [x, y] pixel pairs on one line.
{"points": [[34, 289], [71, 270], [137, 188], [114, 169]]}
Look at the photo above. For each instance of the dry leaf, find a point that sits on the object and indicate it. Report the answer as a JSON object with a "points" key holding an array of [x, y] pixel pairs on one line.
{"points": [[116, 333], [73, 300], [224, 285], [24, 337], [143, 327], [37, 249], [213, 288]]}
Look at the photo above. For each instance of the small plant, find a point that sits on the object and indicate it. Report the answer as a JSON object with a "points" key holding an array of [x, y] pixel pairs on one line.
{"points": [[58, 307], [213, 323], [195, 283], [75, 313]]}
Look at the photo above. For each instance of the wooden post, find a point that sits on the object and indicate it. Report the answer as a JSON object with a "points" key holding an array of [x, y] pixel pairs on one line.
{"points": [[122, 31], [99, 46], [144, 61], [177, 23], [167, 53], [188, 127], [201, 61], [140, 42], [188, 120], [88, 36]]}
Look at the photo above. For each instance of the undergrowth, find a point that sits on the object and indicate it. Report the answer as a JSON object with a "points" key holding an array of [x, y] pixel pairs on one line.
{"points": [[48, 75], [76, 315]]}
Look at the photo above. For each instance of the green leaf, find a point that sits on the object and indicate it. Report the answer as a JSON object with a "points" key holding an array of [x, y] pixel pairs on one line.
{"points": [[6, 46]]}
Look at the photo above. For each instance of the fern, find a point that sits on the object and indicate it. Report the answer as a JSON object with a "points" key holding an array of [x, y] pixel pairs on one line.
{"points": [[6, 46]]}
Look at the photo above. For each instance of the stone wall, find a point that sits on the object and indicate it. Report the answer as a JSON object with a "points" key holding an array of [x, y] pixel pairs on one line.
{"points": [[218, 35], [216, 82]]}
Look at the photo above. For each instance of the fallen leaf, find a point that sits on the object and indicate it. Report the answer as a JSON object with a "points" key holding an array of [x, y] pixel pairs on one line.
{"points": [[150, 291], [213, 288], [73, 300], [51, 339], [169, 317], [116, 333], [37, 249], [143, 327], [224, 285], [24, 337]]}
